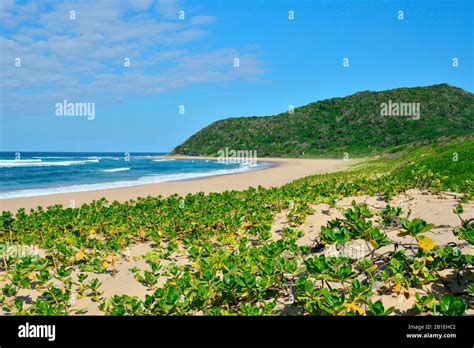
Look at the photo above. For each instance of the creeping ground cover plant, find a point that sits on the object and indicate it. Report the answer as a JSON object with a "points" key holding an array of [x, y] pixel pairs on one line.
{"points": [[218, 254]]}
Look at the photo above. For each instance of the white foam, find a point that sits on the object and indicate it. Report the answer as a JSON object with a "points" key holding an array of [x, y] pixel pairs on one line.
{"points": [[21, 161], [115, 170], [86, 157], [152, 156], [101, 157], [40, 163], [164, 160], [53, 157], [149, 179]]}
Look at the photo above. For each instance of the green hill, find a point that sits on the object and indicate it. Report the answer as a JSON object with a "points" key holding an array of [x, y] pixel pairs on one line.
{"points": [[353, 124]]}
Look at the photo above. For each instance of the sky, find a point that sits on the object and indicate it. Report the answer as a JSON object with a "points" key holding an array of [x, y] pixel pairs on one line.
{"points": [[212, 59]]}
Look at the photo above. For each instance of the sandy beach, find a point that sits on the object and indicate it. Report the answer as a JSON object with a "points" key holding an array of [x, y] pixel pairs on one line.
{"points": [[435, 208], [281, 172]]}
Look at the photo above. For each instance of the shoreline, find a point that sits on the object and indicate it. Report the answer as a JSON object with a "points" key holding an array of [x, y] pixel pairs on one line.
{"points": [[124, 183], [268, 166], [279, 172]]}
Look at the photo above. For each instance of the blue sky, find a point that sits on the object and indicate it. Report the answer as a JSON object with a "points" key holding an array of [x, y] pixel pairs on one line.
{"points": [[190, 62]]}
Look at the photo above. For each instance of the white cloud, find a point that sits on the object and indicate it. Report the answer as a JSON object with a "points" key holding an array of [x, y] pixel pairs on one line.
{"points": [[168, 8], [84, 58], [202, 19], [140, 5]]}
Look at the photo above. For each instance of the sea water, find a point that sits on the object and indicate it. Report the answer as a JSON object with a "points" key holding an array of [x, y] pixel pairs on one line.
{"points": [[40, 173]]}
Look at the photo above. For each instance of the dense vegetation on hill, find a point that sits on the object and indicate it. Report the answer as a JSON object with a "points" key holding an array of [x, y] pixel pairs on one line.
{"points": [[352, 124]]}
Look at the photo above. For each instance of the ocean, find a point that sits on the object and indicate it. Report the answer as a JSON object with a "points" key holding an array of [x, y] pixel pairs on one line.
{"points": [[40, 173]]}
